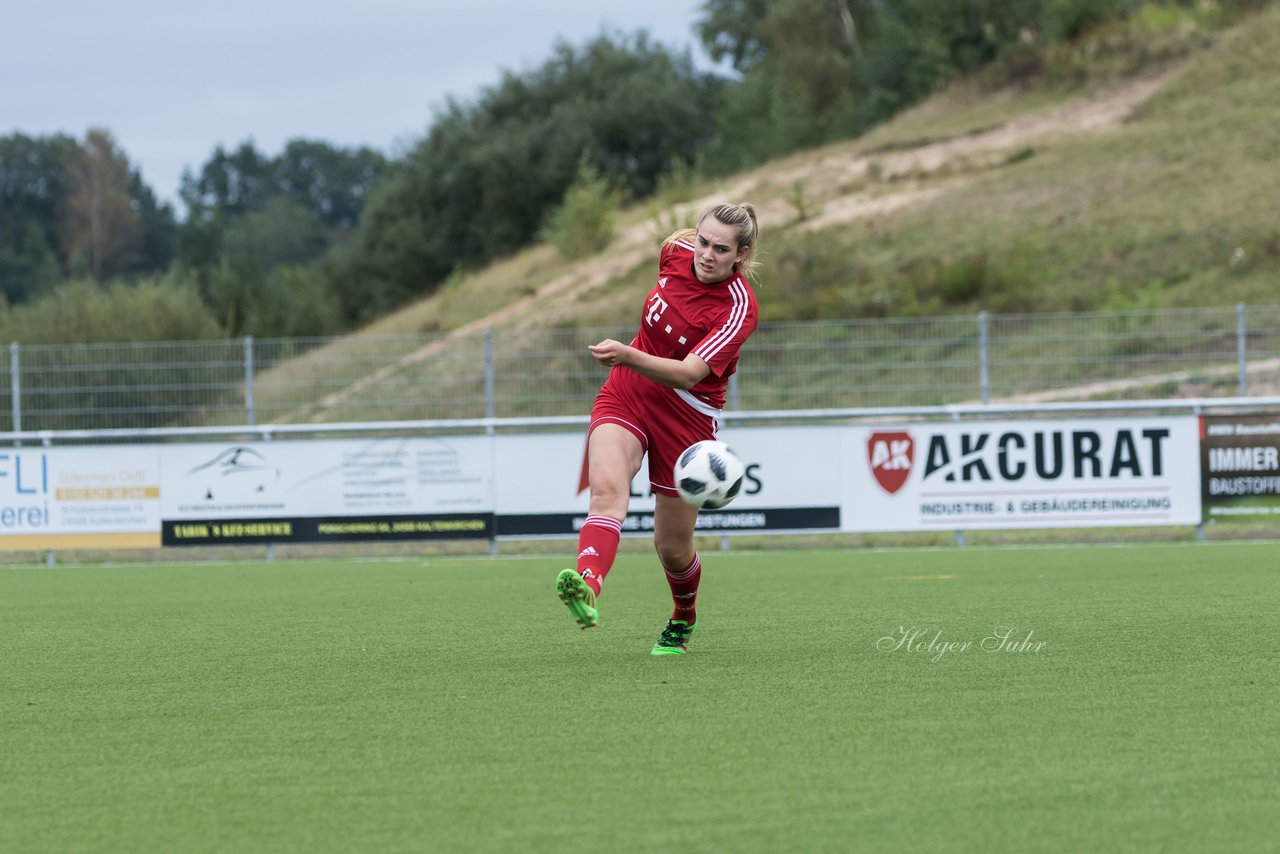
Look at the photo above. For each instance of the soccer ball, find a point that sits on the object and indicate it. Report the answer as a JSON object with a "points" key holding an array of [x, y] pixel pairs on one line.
{"points": [[709, 474]]}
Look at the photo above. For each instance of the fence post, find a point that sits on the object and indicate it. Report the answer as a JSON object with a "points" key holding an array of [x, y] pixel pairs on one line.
{"points": [[1200, 534], [15, 385], [984, 359], [50, 556], [248, 379], [1242, 338], [955, 416], [490, 408], [732, 405]]}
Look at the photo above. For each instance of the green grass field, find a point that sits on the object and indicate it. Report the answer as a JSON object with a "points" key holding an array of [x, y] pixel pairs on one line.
{"points": [[450, 705]]}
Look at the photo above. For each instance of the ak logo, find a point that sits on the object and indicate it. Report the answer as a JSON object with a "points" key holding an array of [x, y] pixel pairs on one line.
{"points": [[890, 456]]}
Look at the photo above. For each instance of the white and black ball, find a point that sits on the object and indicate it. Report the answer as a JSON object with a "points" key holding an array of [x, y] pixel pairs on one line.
{"points": [[709, 474]]}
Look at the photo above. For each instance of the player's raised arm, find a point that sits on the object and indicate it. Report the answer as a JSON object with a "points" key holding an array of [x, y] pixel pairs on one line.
{"points": [[673, 373]]}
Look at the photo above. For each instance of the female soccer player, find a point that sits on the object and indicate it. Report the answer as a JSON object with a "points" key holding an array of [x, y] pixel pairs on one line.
{"points": [[664, 392]]}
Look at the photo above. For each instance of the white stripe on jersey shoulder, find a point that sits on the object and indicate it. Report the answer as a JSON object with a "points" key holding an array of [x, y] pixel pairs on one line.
{"points": [[737, 317], [683, 244]]}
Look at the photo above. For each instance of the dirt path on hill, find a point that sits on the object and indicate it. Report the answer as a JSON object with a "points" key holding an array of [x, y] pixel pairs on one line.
{"points": [[841, 187]]}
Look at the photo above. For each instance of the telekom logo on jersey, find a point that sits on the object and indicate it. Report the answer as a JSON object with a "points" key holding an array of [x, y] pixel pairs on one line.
{"points": [[657, 306], [890, 456]]}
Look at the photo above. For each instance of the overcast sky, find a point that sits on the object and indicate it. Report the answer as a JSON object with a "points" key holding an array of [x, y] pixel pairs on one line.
{"points": [[172, 80]]}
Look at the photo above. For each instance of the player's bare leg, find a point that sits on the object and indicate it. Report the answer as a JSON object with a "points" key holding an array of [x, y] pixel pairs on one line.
{"points": [[614, 455]]}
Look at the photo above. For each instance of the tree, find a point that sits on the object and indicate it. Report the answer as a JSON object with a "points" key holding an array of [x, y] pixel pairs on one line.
{"points": [[333, 183], [255, 222], [159, 228], [230, 183], [488, 175], [252, 247], [801, 63], [731, 29], [32, 185], [818, 70], [100, 228]]}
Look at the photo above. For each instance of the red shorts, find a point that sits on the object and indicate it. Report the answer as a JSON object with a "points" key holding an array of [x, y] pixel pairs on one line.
{"points": [[665, 422]]}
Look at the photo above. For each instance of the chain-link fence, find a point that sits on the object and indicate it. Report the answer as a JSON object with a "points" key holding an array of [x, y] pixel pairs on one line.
{"points": [[1220, 352]]}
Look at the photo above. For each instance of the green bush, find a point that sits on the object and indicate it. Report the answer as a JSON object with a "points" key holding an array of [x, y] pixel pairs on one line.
{"points": [[114, 356], [167, 308], [964, 280], [584, 223]]}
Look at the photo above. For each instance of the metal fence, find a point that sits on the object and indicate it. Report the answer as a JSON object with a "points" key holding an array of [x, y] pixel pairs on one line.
{"points": [[927, 361]]}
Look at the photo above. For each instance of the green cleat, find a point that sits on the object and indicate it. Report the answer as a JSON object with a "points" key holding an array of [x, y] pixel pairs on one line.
{"points": [[577, 597], [675, 638]]}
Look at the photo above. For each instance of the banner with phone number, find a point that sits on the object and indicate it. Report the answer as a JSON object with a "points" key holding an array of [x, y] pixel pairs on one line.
{"points": [[327, 491], [69, 498], [910, 477]]}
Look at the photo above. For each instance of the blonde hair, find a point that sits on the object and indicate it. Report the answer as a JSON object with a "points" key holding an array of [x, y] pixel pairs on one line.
{"points": [[742, 218]]}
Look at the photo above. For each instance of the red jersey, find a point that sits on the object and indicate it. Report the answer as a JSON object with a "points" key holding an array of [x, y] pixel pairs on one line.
{"points": [[683, 315]]}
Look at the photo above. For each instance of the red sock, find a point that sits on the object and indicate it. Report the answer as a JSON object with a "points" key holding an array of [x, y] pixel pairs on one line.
{"points": [[597, 547], [684, 590]]}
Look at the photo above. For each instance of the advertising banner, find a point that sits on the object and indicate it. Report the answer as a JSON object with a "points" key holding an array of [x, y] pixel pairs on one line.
{"points": [[1240, 461], [857, 478], [68, 498], [327, 490], [788, 486], [1022, 474]]}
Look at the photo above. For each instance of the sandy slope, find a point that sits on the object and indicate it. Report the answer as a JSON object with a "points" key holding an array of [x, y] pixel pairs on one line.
{"points": [[838, 189]]}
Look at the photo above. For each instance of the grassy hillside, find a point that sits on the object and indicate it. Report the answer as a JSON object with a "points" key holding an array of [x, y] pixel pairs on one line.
{"points": [[1136, 170], [1016, 199]]}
